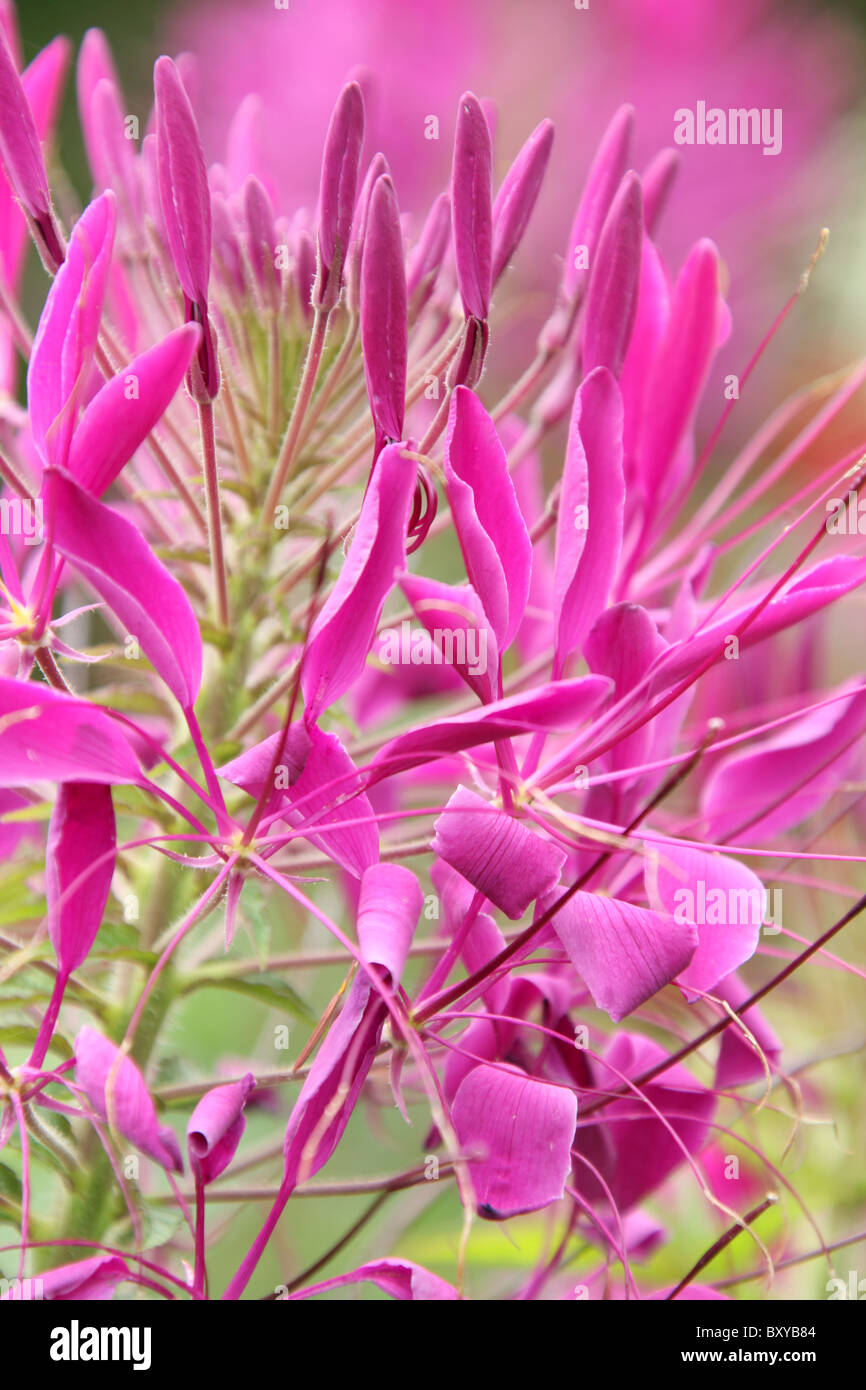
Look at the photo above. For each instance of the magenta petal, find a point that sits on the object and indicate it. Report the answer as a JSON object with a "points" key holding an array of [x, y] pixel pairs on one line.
{"points": [[591, 508], [384, 324], [344, 630], [115, 1089], [20, 150], [321, 785], [611, 302], [558, 705], [215, 1127], [499, 855], [720, 897], [824, 583], [523, 1129], [783, 779], [92, 1280], [338, 188], [402, 1279], [46, 736], [682, 364], [116, 422], [493, 538], [472, 206], [148, 601], [62, 355], [623, 953], [461, 635], [516, 198], [82, 830], [641, 1151], [389, 906]]}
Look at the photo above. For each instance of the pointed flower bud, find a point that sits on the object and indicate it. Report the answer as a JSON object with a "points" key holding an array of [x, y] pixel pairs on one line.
{"points": [[216, 1126], [609, 165], [611, 302], [517, 196], [472, 207], [23, 164], [185, 199], [261, 241], [427, 254], [384, 323], [657, 180], [339, 185], [377, 168]]}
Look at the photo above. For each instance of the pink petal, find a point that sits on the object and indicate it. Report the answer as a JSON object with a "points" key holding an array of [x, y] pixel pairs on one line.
{"points": [[402, 1279], [591, 507], [115, 424], [216, 1126], [151, 605], [499, 855], [523, 1129], [558, 705], [491, 530], [456, 621], [50, 737], [720, 897], [62, 355], [639, 1151], [325, 784], [343, 632], [624, 954], [389, 906], [84, 1281], [115, 1089], [824, 583], [682, 365], [785, 778], [81, 831]]}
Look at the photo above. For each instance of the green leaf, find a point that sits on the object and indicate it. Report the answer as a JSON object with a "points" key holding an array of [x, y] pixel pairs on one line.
{"points": [[10, 1184], [266, 988]]}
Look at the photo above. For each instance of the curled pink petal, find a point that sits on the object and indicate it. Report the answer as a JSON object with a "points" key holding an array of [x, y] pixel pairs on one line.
{"points": [[523, 1129], [216, 1126], [499, 855], [115, 1089]]}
